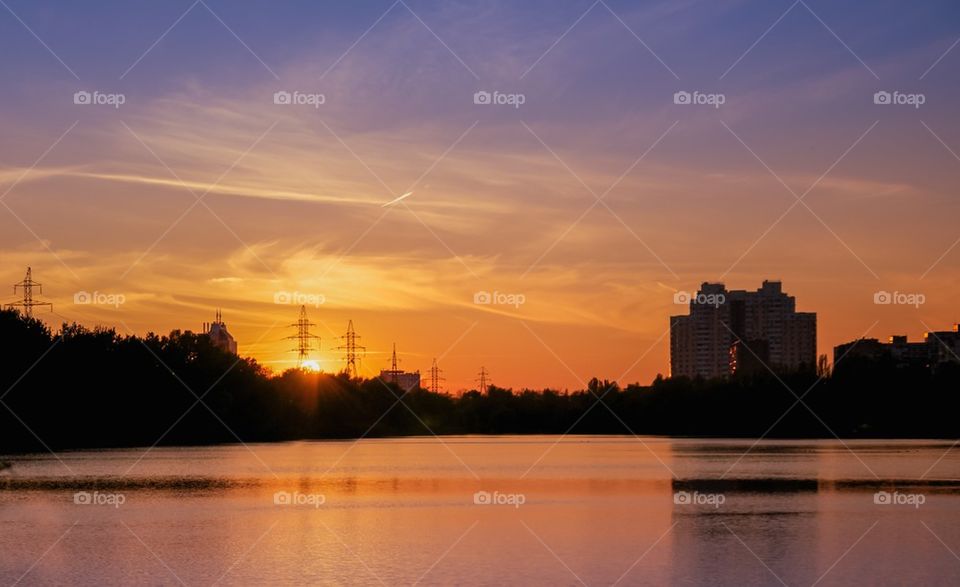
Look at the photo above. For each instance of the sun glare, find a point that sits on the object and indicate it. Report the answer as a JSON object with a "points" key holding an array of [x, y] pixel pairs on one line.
{"points": [[312, 366]]}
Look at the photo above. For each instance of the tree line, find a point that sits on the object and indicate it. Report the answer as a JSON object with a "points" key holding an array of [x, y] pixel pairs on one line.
{"points": [[85, 388]]}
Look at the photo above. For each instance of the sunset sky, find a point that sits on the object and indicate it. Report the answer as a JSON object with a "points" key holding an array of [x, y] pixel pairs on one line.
{"points": [[102, 198]]}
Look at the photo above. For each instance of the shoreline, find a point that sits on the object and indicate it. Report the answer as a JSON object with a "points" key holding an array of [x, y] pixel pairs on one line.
{"points": [[770, 439]]}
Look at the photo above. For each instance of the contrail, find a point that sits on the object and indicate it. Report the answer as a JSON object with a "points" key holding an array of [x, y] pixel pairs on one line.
{"points": [[395, 200]]}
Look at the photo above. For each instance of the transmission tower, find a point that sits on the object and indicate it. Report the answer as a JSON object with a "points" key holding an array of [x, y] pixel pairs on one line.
{"points": [[393, 373], [350, 348], [27, 303], [434, 378], [393, 360], [303, 337], [484, 383]]}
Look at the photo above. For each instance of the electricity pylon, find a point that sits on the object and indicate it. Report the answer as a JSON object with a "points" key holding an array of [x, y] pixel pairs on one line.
{"points": [[484, 383], [350, 348], [392, 374], [303, 337], [27, 303], [434, 378]]}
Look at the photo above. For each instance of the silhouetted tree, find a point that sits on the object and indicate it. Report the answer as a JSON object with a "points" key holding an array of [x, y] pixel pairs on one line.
{"points": [[97, 388]]}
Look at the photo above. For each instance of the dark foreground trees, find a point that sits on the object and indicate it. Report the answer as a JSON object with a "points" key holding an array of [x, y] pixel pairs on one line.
{"points": [[96, 388]]}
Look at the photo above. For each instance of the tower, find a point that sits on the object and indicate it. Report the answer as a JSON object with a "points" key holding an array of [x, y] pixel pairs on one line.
{"points": [[27, 303], [484, 383], [434, 378], [350, 348], [392, 374], [303, 337], [405, 380], [219, 335]]}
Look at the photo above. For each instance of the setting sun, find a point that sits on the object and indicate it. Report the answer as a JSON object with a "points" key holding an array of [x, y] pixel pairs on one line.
{"points": [[476, 292]]}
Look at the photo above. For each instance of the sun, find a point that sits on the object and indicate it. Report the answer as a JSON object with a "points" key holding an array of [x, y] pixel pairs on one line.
{"points": [[311, 366]]}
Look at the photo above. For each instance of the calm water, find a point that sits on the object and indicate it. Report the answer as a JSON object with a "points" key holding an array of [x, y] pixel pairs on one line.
{"points": [[571, 511]]}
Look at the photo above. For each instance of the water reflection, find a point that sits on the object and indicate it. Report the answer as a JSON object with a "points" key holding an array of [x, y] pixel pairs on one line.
{"points": [[531, 510]]}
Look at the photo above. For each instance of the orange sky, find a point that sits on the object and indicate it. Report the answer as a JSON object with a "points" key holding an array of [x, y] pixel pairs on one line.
{"points": [[504, 199]]}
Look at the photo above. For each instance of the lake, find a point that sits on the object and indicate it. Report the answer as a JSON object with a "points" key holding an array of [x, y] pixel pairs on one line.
{"points": [[526, 510]]}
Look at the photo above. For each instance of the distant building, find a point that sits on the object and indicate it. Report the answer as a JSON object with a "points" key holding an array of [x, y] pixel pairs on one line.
{"points": [[728, 331], [906, 352], [862, 348], [404, 380], [944, 345], [219, 336], [935, 349]]}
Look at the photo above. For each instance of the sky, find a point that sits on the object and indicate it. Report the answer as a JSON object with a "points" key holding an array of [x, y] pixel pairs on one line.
{"points": [[583, 195]]}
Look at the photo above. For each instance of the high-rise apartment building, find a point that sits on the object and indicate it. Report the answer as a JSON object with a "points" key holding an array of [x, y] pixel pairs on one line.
{"points": [[728, 329]]}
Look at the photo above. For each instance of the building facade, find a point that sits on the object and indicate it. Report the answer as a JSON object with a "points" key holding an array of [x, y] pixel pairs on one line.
{"points": [[936, 348], [405, 380], [944, 346], [219, 335], [727, 331]]}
